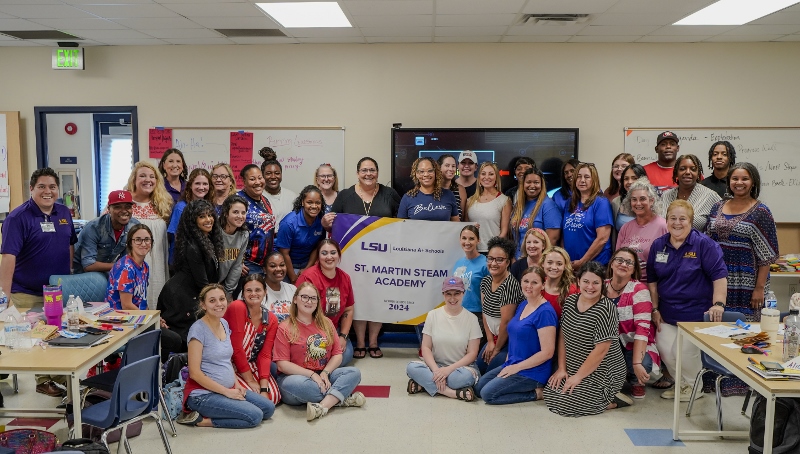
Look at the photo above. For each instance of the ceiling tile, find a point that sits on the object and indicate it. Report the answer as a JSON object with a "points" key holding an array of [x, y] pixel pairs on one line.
{"points": [[474, 20], [341, 39], [764, 30], [199, 41], [267, 40], [397, 31], [7, 16], [30, 2], [535, 39], [780, 18], [109, 2], [215, 9], [152, 23], [43, 11], [126, 11], [567, 6], [417, 20], [19, 24], [235, 22], [603, 39], [636, 19], [470, 31], [618, 30], [659, 6], [181, 33], [672, 39], [134, 42], [321, 32], [696, 30], [398, 39], [102, 35], [555, 30], [468, 39], [789, 38], [792, 9], [742, 38], [478, 6], [18, 43], [79, 24], [386, 7]]}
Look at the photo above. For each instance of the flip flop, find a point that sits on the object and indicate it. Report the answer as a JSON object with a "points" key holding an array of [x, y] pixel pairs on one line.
{"points": [[359, 352], [663, 383], [375, 352], [414, 387], [467, 394]]}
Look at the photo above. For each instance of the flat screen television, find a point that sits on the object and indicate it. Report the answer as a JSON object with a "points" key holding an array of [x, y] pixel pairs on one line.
{"points": [[548, 147]]}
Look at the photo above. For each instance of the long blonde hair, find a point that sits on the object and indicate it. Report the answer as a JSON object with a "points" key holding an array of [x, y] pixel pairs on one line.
{"points": [[320, 320], [479, 190], [159, 198], [538, 233], [567, 278]]}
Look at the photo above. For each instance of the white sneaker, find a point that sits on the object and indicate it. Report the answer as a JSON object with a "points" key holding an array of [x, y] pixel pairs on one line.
{"points": [[686, 393], [314, 411], [356, 399]]}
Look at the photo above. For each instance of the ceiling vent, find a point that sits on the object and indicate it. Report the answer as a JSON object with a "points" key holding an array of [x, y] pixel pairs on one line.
{"points": [[40, 34], [552, 19], [250, 32]]}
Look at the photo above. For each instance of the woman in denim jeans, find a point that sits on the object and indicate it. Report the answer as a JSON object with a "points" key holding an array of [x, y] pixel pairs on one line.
{"points": [[308, 355], [212, 394]]}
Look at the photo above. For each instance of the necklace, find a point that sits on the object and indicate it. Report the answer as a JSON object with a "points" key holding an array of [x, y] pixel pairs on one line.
{"points": [[618, 290], [368, 205]]}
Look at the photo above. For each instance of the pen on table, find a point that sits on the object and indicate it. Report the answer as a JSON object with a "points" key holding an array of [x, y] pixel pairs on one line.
{"points": [[100, 343]]}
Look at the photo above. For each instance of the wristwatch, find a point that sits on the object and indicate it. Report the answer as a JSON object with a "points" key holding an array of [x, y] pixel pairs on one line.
{"points": [[720, 304], [264, 390]]}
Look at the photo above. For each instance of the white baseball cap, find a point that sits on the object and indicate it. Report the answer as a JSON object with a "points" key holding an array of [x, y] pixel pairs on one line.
{"points": [[466, 154]]}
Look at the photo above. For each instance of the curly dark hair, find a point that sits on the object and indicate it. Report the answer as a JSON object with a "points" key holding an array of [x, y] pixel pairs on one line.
{"points": [[298, 202], [188, 232], [695, 160], [270, 158], [507, 246], [437, 179], [226, 208], [45, 172], [728, 146]]}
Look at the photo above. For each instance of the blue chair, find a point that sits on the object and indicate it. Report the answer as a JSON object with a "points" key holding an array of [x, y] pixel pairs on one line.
{"points": [[134, 398], [140, 347], [89, 286], [711, 365]]}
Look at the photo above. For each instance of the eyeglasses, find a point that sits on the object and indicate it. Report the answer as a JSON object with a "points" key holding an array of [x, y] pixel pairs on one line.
{"points": [[368, 171], [325, 177], [498, 260], [307, 298], [142, 240], [426, 172], [622, 261], [220, 177], [326, 253]]}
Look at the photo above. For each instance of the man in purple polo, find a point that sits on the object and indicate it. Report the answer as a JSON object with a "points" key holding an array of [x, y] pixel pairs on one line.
{"points": [[38, 241]]}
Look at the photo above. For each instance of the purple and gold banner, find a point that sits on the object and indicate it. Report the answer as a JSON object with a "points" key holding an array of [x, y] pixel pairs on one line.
{"points": [[396, 265]]}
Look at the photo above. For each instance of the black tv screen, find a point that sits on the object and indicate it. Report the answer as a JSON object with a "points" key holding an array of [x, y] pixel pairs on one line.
{"points": [[548, 147]]}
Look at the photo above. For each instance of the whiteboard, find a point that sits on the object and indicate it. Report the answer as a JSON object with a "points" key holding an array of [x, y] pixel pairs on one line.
{"points": [[774, 151], [300, 150]]}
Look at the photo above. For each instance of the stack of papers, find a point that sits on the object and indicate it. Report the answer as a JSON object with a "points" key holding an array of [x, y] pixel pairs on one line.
{"points": [[791, 371], [727, 330]]}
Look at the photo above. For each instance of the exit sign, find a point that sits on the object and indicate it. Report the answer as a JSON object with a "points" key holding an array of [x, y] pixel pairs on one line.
{"points": [[68, 58]]}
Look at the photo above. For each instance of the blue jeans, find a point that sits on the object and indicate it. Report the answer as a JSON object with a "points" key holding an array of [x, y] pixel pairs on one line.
{"points": [[299, 389], [347, 354], [647, 363], [229, 413], [496, 362], [253, 268], [513, 389], [421, 373]]}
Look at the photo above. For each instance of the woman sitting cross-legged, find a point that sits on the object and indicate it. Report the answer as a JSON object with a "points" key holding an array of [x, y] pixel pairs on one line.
{"points": [[308, 357], [450, 341], [531, 343], [212, 394]]}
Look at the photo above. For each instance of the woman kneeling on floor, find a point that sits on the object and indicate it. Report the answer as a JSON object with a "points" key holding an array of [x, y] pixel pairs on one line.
{"points": [[308, 357], [212, 394], [450, 342]]}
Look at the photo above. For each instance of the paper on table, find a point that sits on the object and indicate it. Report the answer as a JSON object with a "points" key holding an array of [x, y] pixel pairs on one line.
{"points": [[732, 346], [724, 331]]}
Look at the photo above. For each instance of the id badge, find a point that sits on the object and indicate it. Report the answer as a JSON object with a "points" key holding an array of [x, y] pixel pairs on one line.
{"points": [[661, 257], [48, 227]]}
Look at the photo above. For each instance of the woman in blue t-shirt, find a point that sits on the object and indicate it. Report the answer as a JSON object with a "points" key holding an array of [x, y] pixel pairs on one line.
{"points": [[534, 209], [427, 200], [127, 280], [531, 343], [301, 231], [471, 269], [587, 222]]}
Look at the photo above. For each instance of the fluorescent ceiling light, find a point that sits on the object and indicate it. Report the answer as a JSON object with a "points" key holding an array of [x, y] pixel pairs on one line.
{"points": [[734, 12], [306, 14]]}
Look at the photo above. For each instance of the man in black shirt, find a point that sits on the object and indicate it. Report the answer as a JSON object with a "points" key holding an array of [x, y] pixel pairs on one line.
{"points": [[721, 157]]}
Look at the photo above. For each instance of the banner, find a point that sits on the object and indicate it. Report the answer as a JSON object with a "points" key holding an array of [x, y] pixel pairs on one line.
{"points": [[396, 266]]}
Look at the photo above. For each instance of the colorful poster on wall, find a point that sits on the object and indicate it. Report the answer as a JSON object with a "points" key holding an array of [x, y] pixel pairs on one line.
{"points": [[160, 140], [5, 194], [397, 271], [241, 153]]}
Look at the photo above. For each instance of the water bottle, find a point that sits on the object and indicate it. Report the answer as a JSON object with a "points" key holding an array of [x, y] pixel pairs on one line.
{"points": [[11, 332], [770, 316], [73, 316], [791, 335], [3, 300]]}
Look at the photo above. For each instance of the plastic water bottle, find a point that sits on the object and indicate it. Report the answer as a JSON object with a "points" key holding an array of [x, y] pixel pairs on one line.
{"points": [[771, 301], [791, 335], [770, 316], [73, 316], [11, 333], [3, 300]]}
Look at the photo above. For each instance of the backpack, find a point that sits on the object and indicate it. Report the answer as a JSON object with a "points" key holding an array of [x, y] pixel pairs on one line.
{"points": [[171, 370], [173, 398], [84, 445], [786, 437]]}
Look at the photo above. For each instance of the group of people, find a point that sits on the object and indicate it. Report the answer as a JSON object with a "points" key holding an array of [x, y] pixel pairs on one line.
{"points": [[248, 283]]}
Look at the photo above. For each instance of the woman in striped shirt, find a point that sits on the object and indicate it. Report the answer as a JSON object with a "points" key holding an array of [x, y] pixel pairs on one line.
{"points": [[636, 334]]}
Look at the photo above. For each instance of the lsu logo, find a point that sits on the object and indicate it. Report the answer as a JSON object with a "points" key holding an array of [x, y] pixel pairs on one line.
{"points": [[690, 255], [62, 222], [377, 247]]}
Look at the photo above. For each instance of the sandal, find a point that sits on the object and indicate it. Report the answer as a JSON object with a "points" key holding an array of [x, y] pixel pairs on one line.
{"points": [[190, 419], [663, 383], [359, 352], [466, 394], [414, 387], [375, 352]]}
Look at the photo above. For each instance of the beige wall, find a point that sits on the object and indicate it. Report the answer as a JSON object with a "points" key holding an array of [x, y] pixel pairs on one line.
{"points": [[599, 88]]}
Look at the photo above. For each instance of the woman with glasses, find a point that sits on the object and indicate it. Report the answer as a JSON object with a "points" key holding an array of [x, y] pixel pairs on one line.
{"points": [[489, 207], [127, 280], [428, 200], [197, 187], [337, 300], [587, 223], [618, 165], [365, 198], [534, 209], [326, 179], [636, 334], [224, 185], [309, 359]]}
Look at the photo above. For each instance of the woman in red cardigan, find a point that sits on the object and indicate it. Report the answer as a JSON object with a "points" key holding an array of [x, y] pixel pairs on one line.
{"points": [[253, 330]]}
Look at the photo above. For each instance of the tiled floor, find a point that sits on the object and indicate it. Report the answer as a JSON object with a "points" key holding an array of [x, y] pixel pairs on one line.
{"points": [[401, 423]]}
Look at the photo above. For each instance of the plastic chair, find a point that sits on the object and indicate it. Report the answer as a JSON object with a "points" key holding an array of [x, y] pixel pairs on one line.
{"points": [[133, 399], [91, 287], [140, 347], [711, 365]]}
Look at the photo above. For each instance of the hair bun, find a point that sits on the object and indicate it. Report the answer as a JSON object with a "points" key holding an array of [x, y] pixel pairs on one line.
{"points": [[268, 154]]}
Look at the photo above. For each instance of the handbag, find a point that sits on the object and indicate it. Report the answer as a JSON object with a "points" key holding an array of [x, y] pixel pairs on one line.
{"points": [[28, 441]]}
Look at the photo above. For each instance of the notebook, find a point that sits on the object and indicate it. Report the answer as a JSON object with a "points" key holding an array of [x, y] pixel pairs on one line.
{"points": [[84, 341]]}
